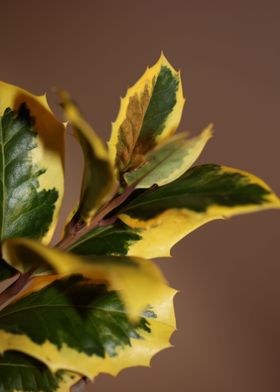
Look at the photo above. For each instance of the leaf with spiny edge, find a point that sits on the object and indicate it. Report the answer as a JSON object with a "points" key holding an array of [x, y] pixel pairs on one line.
{"points": [[99, 183], [32, 165], [22, 373], [157, 219], [99, 337], [169, 160], [137, 280], [164, 215], [149, 114]]}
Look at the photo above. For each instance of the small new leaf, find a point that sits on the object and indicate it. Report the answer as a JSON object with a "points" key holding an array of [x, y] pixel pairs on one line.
{"points": [[169, 160]]}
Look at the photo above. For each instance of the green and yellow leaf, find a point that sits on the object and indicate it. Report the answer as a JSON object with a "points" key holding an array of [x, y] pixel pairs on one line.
{"points": [[22, 373], [108, 240], [137, 280], [157, 219], [149, 114], [99, 184], [31, 165], [82, 327], [169, 160], [204, 193]]}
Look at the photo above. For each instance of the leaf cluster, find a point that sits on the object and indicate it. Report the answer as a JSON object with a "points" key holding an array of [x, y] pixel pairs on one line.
{"points": [[96, 302]]}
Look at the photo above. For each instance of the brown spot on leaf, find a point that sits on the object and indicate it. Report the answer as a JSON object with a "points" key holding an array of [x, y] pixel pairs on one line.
{"points": [[130, 128]]}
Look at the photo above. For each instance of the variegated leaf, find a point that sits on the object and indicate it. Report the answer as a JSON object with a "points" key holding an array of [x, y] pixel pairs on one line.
{"points": [[137, 280], [31, 165], [169, 160], [204, 193], [149, 114], [155, 220], [75, 325]]}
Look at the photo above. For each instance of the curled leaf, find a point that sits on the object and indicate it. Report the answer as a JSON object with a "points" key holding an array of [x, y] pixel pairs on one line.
{"points": [[98, 184]]}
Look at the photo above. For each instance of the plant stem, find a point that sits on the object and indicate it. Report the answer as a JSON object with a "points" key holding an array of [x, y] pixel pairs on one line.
{"points": [[80, 385], [10, 293], [77, 230]]}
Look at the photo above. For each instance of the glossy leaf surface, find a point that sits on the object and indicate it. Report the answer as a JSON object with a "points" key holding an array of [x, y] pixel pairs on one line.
{"points": [[31, 165]]}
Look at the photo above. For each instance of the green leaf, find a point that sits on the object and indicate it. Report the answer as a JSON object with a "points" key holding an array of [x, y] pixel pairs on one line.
{"points": [[137, 280], [108, 240], [31, 165], [169, 160], [166, 214], [149, 114], [20, 372], [99, 184], [76, 325]]}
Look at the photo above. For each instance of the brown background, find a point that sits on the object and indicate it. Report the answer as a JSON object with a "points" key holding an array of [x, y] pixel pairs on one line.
{"points": [[228, 273]]}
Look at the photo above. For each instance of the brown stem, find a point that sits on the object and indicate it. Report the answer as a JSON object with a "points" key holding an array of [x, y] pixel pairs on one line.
{"points": [[80, 385], [78, 231], [10, 293]]}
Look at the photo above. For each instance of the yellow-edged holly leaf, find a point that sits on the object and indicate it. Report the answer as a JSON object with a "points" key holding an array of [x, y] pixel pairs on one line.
{"points": [[169, 160], [149, 114], [156, 219], [137, 280], [31, 165], [204, 193], [22, 373], [99, 183], [79, 326]]}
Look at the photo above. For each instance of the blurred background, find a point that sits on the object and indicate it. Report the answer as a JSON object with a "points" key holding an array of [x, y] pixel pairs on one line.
{"points": [[228, 273]]}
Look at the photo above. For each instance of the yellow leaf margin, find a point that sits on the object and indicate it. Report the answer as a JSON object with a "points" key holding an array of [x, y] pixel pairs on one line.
{"points": [[50, 151], [147, 81]]}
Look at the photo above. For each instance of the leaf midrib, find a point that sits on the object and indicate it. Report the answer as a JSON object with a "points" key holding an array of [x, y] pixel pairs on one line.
{"points": [[60, 306]]}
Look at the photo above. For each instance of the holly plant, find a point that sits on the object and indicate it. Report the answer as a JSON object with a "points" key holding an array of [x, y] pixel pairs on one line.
{"points": [[95, 302]]}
